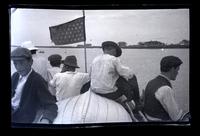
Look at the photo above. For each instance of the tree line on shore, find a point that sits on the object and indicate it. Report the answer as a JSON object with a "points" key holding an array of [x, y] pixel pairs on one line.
{"points": [[148, 44]]}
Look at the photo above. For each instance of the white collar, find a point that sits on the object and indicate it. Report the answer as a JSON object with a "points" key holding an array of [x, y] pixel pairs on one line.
{"points": [[27, 75], [165, 77], [70, 72]]}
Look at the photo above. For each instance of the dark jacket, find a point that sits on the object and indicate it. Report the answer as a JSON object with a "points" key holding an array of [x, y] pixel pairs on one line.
{"points": [[35, 95], [151, 105]]}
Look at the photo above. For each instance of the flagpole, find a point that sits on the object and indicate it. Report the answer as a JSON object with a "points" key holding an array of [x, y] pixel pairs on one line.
{"points": [[85, 53]]}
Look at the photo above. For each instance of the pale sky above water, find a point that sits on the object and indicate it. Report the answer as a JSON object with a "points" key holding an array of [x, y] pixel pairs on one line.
{"points": [[131, 26]]}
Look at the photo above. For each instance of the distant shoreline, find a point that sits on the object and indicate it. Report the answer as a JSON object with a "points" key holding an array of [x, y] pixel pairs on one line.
{"points": [[136, 47], [182, 47]]}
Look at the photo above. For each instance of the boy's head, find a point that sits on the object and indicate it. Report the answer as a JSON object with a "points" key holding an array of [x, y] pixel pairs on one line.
{"points": [[171, 65], [55, 60], [111, 48]]}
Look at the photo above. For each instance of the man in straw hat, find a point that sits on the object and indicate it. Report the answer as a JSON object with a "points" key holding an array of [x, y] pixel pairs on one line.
{"points": [[29, 91], [39, 63], [68, 83], [111, 79]]}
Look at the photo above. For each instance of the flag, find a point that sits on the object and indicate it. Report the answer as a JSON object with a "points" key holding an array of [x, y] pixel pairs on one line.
{"points": [[68, 33]]}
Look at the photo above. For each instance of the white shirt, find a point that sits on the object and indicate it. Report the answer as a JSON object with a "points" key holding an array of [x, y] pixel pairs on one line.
{"points": [[18, 91], [166, 96], [104, 72], [50, 73], [40, 65], [68, 84]]}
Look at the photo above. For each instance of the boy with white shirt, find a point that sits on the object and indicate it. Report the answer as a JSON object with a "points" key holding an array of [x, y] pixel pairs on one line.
{"points": [[69, 82], [111, 79], [55, 62]]}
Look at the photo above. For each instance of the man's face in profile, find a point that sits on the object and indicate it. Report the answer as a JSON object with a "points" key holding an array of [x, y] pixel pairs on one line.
{"points": [[174, 72]]}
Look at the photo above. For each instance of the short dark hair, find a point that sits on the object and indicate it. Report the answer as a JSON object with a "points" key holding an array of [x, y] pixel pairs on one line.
{"points": [[55, 60], [169, 62], [55, 63]]}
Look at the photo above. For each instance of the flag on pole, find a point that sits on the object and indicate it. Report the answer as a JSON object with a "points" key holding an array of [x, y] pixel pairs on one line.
{"points": [[68, 33]]}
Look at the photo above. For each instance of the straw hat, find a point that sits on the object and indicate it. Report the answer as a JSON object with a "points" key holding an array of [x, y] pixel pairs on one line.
{"points": [[29, 45], [115, 45], [20, 53]]}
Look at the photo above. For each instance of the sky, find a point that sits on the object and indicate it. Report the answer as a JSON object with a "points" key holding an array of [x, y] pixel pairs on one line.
{"points": [[132, 26]]}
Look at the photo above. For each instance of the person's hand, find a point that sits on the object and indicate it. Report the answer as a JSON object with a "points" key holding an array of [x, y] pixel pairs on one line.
{"points": [[121, 99], [131, 104], [44, 121]]}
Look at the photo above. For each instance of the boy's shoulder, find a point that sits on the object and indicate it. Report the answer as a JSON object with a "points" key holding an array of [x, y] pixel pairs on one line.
{"points": [[106, 56]]}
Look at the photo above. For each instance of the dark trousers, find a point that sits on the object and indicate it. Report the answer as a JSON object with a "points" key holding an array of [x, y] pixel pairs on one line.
{"points": [[128, 88]]}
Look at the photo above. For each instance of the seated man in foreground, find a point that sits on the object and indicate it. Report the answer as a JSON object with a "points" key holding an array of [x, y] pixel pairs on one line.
{"points": [[160, 104], [29, 91]]}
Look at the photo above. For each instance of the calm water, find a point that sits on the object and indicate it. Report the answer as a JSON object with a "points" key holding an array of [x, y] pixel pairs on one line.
{"points": [[145, 63]]}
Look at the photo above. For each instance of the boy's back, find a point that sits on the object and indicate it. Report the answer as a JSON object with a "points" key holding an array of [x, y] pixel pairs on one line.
{"points": [[103, 74]]}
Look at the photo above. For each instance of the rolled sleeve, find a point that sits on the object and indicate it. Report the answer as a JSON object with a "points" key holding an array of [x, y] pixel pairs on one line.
{"points": [[85, 78], [52, 82], [165, 96], [124, 71]]}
